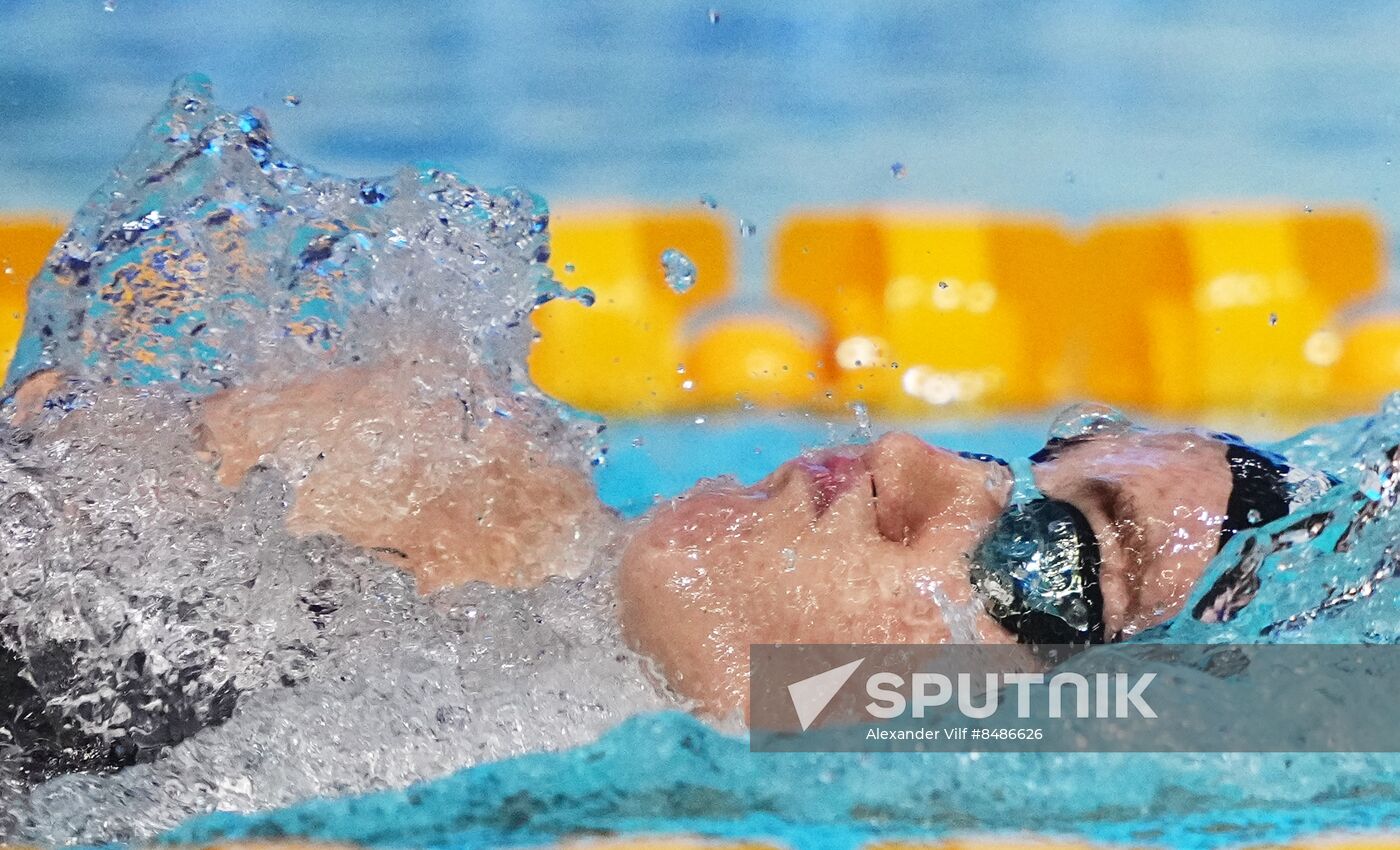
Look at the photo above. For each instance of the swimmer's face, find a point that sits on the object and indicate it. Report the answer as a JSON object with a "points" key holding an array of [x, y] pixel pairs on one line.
{"points": [[873, 545]]}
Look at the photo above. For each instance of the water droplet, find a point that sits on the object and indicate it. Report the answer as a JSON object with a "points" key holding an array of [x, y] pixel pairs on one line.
{"points": [[291, 99], [585, 296], [747, 228], [569, 268], [1273, 319], [862, 433], [898, 171], [680, 271], [1069, 177], [714, 17], [1254, 516], [1082, 420], [943, 284], [699, 420], [638, 442], [680, 368], [109, 5], [687, 385], [789, 560], [709, 200], [1307, 209]]}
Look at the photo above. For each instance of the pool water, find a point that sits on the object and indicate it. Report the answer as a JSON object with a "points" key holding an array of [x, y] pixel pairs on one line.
{"points": [[1076, 108], [671, 774]]}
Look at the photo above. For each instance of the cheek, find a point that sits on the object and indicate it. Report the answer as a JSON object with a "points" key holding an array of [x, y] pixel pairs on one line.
{"points": [[707, 522], [687, 587], [701, 557]]}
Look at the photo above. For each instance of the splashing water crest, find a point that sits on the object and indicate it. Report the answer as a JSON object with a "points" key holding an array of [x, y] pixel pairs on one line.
{"points": [[185, 626], [150, 602], [1087, 419]]}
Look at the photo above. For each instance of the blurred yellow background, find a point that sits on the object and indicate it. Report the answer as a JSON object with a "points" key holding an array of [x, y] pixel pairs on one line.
{"points": [[922, 311]]}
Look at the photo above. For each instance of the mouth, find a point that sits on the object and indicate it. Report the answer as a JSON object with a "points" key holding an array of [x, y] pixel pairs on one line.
{"points": [[833, 473]]}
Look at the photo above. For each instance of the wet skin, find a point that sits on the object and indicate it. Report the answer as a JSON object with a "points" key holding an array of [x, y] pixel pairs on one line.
{"points": [[872, 545]]}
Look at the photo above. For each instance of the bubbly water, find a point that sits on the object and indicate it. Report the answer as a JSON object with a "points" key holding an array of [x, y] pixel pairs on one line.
{"points": [[177, 626], [148, 601]]}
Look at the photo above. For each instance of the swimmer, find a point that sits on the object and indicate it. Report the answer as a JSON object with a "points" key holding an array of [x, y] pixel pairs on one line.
{"points": [[1093, 539]]}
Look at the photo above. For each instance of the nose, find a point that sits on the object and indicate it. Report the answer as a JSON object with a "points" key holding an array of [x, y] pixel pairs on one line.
{"points": [[919, 487]]}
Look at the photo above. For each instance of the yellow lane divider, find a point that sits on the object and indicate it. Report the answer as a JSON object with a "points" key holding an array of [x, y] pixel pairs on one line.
{"points": [[924, 310], [624, 354], [929, 309], [1228, 308], [1368, 366], [757, 360]]}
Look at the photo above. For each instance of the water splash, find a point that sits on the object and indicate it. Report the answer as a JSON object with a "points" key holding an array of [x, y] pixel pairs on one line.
{"points": [[211, 256], [171, 615], [863, 433], [1087, 419]]}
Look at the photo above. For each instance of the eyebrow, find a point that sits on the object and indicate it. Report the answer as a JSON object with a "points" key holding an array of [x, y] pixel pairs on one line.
{"points": [[1115, 502], [1056, 446], [1112, 498]]}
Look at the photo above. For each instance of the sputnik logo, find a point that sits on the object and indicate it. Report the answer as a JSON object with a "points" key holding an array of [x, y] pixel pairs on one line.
{"points": [[812, 695]]}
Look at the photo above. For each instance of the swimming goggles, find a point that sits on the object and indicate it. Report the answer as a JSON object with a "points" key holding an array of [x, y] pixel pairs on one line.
{"points": [[1038, 569]]}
